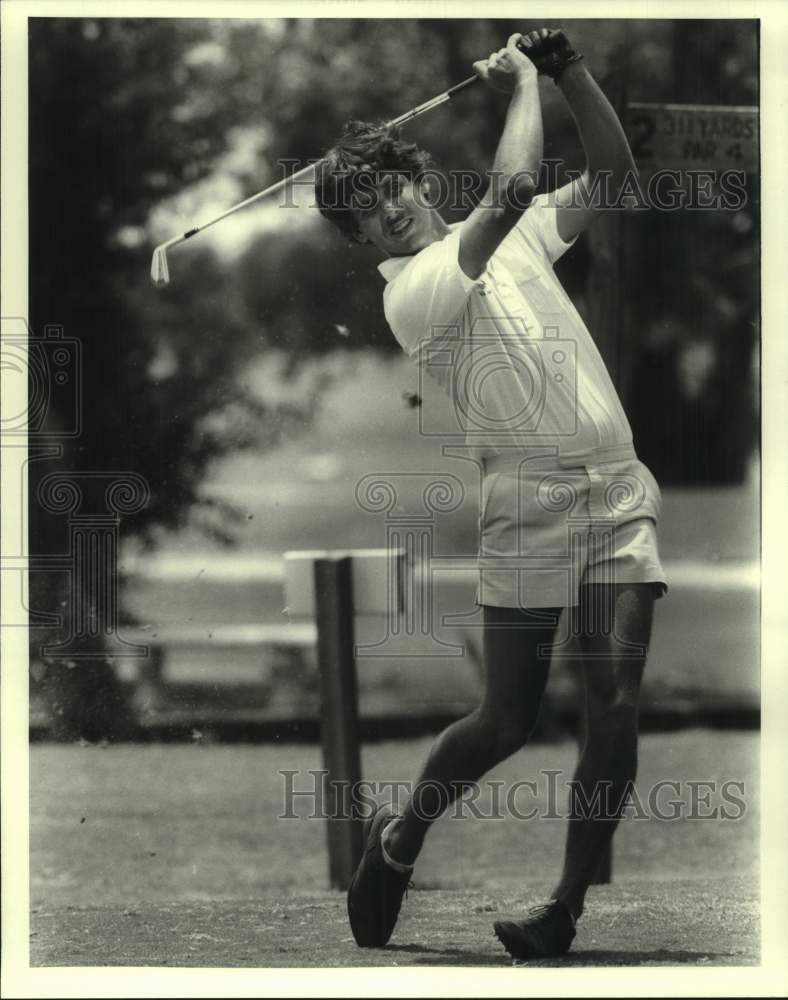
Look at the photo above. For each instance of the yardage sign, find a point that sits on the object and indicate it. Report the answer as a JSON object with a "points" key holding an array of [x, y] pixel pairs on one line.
{"points": [[693, 137]]}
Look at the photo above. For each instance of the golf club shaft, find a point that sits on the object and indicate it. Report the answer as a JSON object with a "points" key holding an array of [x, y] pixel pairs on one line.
{"points": [[408, 116], [235, 208], [434, 102]]}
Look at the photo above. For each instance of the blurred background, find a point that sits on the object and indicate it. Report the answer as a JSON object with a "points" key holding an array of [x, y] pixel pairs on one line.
{"points": [[256, 390]]}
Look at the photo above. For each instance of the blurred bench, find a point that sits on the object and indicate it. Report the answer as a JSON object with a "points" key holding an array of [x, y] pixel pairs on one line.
{"points": [[292, 641]]}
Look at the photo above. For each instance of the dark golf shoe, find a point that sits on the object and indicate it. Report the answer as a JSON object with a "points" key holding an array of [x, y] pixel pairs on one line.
{"points": [[547, 931], [376, 890]]}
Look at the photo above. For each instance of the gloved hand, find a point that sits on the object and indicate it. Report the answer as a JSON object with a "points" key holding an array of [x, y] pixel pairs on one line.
{"points": [[549, 50]]}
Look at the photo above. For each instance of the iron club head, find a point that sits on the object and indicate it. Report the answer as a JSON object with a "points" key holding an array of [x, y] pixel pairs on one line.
{"points": [[159, 271]]}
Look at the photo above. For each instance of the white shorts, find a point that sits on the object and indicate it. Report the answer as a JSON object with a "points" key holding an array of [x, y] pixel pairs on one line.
{"points": [[546, 529]]}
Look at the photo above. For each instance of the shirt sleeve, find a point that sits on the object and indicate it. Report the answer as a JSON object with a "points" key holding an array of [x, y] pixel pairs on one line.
{"points": [[539, 222], [428, 295]]}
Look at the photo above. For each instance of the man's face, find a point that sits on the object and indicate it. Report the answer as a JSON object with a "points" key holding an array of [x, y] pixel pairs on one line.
{"points": [[398, 219]]}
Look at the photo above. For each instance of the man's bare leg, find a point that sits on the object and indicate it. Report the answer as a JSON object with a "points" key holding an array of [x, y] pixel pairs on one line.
{"points": [[608, 761], [515, 679]]}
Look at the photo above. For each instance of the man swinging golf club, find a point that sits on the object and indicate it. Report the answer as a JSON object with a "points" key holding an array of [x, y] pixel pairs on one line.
{"points": [[568, 513]]}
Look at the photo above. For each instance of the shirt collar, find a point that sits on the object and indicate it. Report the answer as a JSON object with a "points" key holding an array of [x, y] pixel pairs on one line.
{"points": [[391, 266]]}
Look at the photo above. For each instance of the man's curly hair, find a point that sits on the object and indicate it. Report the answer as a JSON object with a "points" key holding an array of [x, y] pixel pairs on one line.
{"points": [[363, 147]]}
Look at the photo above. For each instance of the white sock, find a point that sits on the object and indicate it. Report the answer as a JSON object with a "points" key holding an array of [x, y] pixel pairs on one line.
{"points": [[403, 869]]}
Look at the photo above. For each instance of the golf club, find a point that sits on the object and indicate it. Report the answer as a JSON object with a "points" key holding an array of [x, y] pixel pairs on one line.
{"points": [[159, 268]]}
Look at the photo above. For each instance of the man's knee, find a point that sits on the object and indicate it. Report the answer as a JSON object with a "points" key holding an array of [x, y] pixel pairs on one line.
{"points": [[613, 719], [504, 735]]}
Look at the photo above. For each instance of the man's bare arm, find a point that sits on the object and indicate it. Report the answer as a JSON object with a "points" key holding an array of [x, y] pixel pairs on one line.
{"points": [[517, 162], [608, 156]]}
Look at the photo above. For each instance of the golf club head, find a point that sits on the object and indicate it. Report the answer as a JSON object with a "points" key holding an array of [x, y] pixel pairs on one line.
{"points": [[159, 271]]}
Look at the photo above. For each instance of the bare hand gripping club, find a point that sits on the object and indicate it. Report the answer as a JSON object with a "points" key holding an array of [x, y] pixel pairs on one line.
{"points": [[159, 269]]}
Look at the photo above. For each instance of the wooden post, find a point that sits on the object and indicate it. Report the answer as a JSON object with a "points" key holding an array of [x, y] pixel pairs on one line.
{"points": [[332, 588], [333, 583]]}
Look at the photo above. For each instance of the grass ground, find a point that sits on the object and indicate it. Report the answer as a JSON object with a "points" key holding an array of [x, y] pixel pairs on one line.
{"points": [[174, 856], [682, 922]]}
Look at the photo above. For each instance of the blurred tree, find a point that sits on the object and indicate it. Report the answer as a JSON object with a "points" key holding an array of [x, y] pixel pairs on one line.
{"points": [[123, 114]]}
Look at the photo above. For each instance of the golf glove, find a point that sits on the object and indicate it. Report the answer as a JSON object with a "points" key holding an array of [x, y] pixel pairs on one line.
{"points": [[549, 50]]}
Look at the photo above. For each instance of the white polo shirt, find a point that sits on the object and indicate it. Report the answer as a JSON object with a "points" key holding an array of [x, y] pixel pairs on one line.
{"points": [[509, 347]]}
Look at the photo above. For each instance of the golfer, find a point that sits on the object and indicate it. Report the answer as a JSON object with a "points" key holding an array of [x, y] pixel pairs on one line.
{"points": [[568, 514]]}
